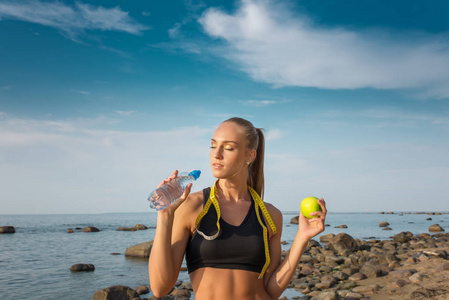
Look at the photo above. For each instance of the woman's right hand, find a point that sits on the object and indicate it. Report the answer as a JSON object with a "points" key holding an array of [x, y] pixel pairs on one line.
{"points": [[174, 205]]}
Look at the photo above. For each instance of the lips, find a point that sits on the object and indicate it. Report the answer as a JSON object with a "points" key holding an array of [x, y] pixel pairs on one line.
{"points": [[217, 166]]}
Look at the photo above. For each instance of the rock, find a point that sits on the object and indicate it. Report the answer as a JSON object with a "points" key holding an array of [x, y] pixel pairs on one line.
{"points": [[91, 229], [387, 228], [140, 227], [357, 277], [141, 290], [166, 297], [126, 229], [350, 271], [334, 259], [401, 237], [383, 224], [353, 296], [397, 284], [435, 228], [429, 219], [324, 285], [312, 243], [340, 276], [116, 292], [7, 229], [416, 278], [442, 267], [181, 292], [294, 220], [325, 296], [187, 285], [387, 258], [342, 226], [349, 285], [82, 268], [326, 237], [178, 283], [411, 260], [402, 273], [140, 250], [368, 289], [371, 271], [422, 257], [70, 231], [343, 243]]}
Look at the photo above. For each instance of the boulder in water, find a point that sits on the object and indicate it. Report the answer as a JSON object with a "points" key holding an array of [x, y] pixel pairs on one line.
{"points": [[294, 220], [435, 228], [140, 227], [82, 268], [7, 229], [140, 250], [116, 292], [90, 229]]}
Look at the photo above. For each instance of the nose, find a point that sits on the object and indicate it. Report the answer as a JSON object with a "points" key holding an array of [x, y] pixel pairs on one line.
{"points": [[217, 152]]}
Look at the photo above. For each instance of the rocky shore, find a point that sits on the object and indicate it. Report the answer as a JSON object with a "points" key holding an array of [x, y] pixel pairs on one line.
{"points": [[406, 267]]}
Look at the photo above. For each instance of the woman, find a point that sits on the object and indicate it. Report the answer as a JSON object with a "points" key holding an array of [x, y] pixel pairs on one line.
{"points": [[228, 235]]}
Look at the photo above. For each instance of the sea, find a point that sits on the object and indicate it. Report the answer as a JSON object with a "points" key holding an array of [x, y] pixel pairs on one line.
{"points": [[35, 261]]}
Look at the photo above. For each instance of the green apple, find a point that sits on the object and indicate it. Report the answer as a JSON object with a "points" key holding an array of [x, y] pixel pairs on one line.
{"points": [[309, 205]]}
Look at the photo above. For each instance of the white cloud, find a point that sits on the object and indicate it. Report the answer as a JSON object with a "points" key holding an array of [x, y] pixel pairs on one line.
{"points": [[75, 163], [272, 45], [258, 103], [274, 134], [125, 112], [84, 92], [73, 20]]}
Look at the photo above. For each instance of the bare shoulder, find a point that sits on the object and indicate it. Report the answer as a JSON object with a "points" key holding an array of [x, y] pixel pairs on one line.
{"points": [[276, 216], [189, 210], [275, 213]]}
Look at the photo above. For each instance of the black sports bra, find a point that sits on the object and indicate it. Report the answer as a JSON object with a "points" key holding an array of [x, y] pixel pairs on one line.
{"points": [[237, 247]]}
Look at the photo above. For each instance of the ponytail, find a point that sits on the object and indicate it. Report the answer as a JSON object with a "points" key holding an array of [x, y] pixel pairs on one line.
{"points": [[256, 141]]}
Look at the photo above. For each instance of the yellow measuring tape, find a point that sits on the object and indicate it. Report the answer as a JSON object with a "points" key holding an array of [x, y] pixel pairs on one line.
{"points": [[258, 204]]}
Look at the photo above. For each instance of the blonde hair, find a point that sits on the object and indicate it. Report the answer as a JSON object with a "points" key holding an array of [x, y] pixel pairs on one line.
{"points": [[256, 141]]}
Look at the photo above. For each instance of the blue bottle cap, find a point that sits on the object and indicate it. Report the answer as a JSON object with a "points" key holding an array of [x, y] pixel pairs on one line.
{"points": [[195, 174]]}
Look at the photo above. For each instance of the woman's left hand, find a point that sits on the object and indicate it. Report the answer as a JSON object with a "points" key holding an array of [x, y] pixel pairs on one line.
{"points": [[313, 226]]}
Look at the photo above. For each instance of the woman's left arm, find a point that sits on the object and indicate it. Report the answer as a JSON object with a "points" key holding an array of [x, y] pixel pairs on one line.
{"points": [[279, 273]]}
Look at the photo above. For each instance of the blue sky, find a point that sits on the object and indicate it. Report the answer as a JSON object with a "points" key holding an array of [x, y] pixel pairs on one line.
{"points": [[101, 100]]}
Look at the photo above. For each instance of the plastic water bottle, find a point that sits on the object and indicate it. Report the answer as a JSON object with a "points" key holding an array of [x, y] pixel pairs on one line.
{"points": [[163, 196]]}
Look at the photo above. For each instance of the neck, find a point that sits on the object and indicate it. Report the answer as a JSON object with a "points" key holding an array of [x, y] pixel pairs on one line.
{"points": [[232, 190]]}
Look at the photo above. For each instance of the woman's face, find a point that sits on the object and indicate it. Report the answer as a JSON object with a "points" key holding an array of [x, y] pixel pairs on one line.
{"points": [[229, 151]]}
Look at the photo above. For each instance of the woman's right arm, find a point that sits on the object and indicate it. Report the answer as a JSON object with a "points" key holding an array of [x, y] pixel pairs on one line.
{"points": [[170, 241]]}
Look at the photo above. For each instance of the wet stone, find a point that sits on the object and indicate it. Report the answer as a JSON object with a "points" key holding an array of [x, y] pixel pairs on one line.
{"points": [[82, 268], [141, 290], [7, 229]]}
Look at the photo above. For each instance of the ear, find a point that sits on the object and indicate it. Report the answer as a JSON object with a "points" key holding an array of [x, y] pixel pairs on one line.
{"points": [[252, 155]]}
